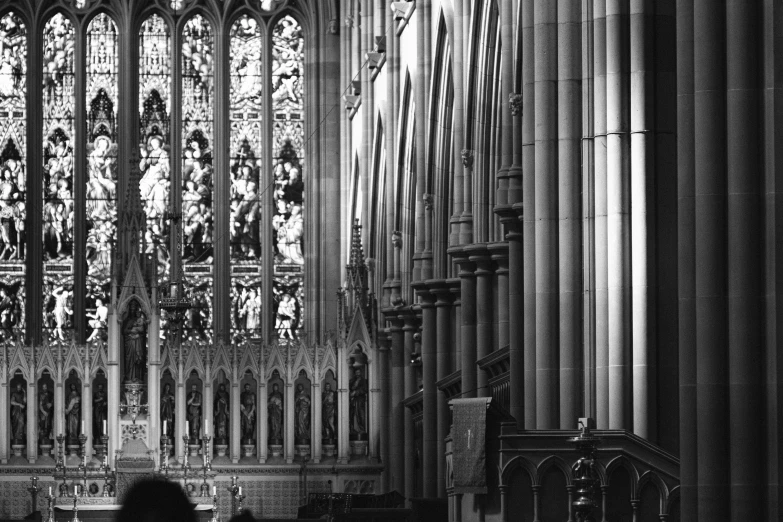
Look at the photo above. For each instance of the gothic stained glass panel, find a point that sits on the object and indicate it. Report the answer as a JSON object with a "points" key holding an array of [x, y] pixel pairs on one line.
{"points": [[101, 193], [58, 210], [155, 138], [13, 176], [246, 162], [197, 170], [288, 161]]}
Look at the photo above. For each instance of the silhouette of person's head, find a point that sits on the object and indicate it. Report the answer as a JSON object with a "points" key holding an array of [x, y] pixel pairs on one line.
{"points": [[156, 501]]}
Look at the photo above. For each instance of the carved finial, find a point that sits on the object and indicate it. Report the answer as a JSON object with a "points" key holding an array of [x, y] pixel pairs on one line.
{"points": [[467, 158], [334, 26], [397, 239], [515, 103], [357, 251], [349, 21], [428, 201]]}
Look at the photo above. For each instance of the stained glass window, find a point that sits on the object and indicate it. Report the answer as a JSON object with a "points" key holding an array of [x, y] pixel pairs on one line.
{"points": [[101, 179], [197, 171], [288, 162], [13, 176], [58, 209], [246, 163], [155, 138]]}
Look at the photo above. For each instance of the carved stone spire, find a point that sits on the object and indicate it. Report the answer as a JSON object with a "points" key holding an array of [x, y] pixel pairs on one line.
{"points": [[132, 221]]}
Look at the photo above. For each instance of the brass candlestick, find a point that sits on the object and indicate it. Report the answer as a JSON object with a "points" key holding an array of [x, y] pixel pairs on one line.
{"points": [[164, 454], [83, 450], [60, 465], [50, 499], [204, 485], [215, 514], [234, 490], [75, 509], [84, 481], [185, 459], [34, 489], [207, 453], [239, 498]]}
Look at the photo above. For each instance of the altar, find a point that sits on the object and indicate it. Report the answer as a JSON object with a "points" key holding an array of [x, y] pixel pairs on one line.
{"points": [[107, 512]]}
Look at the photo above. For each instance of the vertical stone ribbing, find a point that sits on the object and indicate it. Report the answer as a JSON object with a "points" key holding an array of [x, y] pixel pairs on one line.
{"points": [[528, 237], [618, 213], [713, 470], [744, 142], [642, 218], [468, 327], [409, 388], [444, 368], [484, 307], [430, 457], [686, 259], [600, 235], [569, 107], [546, 175], [459, 114]]}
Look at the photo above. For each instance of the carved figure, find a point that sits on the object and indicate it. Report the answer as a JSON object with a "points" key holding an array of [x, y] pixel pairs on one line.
{"points": [[221, 415], [73, 408], [134, 337], [45, 405], [248, 418], [194, 413], [358, 403], [167, 410], [99, 411], [328, 412], [18, 414], [302, 405], [275, 414]]}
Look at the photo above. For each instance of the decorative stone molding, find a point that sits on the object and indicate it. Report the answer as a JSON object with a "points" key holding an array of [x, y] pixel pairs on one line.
{"points": [[349, 21], [429, 201], [352, 103], [397, 239], [334, 26], [467, 158], [402, 12], [515, 103]]}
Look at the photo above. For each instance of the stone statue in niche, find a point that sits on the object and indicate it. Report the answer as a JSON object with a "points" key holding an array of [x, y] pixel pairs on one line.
{"points": [[73, 409], [194, 413], [328, 413], [221, 415], [358, 404], [99, 412], [302, 407], [247, 407], [274, 409], [167, 411], [134, 341], [45, 406], [18, 414]]}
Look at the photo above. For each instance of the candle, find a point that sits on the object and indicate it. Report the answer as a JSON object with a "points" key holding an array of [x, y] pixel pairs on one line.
{"points": [[240, 491], [214, 491], [187, 427], [104, 427], [76, 490], [164, 428], [82, 426], [206, 428], [50, 491]]}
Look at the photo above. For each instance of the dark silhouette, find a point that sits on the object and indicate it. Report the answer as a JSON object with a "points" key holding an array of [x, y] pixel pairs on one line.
{"points": [[156, 501]]}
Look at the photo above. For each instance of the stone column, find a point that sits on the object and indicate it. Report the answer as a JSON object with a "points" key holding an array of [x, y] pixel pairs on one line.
{"points": [[499, 254], [32, 419], [112, 387], [383, 405], [409, 388], [396, 460], [746, 294], [262, 443], [181, 416], [374, 404], [430, 456], [87, 411], [235, 430], [315, 415], [288, 409], [444, 368], [601, 239], [155, 425], [483, 339], [712, 399], [5, 444], [468, 325], [343, 405], [207, 403], [569, 190], [458, 111], [686, 262], [516, 339], [546, 250]]}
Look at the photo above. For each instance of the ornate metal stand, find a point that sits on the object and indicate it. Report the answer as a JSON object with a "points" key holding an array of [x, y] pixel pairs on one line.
{"points": [[60, 464], [34, 489], [585, 475], [83, 452], [84, 483], [204, 485], [105, 451], [75, 509], [239, 498], [164, 454], [215, 514], [50, 515], [186, 457], [207, 453], [234, 490]]}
